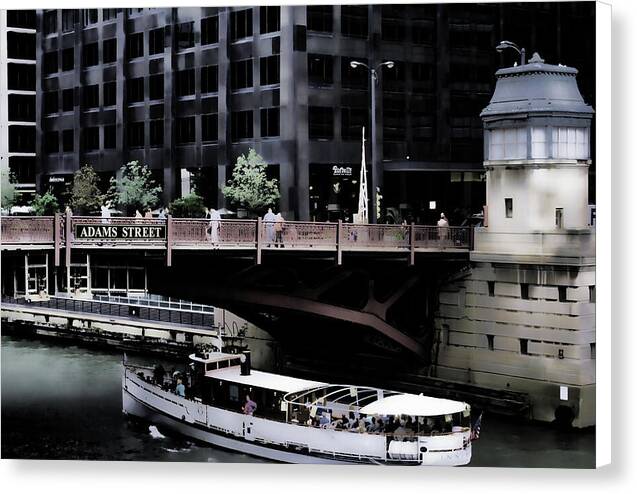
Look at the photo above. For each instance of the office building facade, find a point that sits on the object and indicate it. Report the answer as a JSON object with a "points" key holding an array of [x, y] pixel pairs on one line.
{"points": [[187, 90]]}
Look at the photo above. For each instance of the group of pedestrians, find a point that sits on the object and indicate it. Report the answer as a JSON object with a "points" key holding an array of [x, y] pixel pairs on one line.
{"points": [[273, 228]]}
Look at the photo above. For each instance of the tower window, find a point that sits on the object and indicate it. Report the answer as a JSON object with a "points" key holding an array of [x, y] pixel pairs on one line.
{"points": [[591, 293], [240, 24], [156, 39], [508, 207], [524, 290], [524, 346], [490, 341], [135, 45], [269, 70], [491, 287], [210, 30], [559, 218], [241, 74], [269, 122], [270, 18], [185, 35], [319, 18], [507, 144], [561, 294], [109, 50], [242, 126], [539, 148]]}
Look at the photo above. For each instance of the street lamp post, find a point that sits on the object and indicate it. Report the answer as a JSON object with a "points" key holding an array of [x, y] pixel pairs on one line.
{"points": [[510, 44], [376, 172]]}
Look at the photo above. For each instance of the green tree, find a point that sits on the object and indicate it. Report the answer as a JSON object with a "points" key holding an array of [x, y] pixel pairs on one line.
{"points": [[86, 197], [135, 190], [190, 206], [45, 205], [249, 186], [7, 188]]}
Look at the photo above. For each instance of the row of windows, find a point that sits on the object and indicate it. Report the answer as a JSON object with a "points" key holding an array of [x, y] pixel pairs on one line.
{"points": [[566, 142]]}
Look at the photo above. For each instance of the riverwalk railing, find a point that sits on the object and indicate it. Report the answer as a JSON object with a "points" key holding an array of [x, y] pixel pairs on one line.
{"points": [[67, 231]]}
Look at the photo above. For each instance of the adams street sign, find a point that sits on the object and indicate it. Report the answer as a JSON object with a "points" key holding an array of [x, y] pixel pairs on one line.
{"points": [[119, 232]]}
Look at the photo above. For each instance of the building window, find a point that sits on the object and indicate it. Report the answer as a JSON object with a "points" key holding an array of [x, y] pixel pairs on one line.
{"points": [[135, 45], [508, 207], [320, 122], [51, 104], [392, 25], [134, 12], [109, 14], [156, 133], [209, 127], [319, 18], [68, 100], [210, 30], [591, 294], [21, 107], [570, 143], [524, 291], [559, 218], [185, 35], [186, 82], [89, 16], [241, 123], [21, 18], [269, 122], [269, 70], [22, 139], [68, 59], [110, 95], [353, 78], [110, 137], [394, 128], [156, 39], [156, 86], [50, 62], [241, 74], [422, 33], [394, 78], [320, 69], [91, 96], [524, 346], [539, 148], [506, 144], [185, 130], [21, 76], [69, 18], [135, 134], [491, 288], [51, 142], [270, 18], [91, 54], [20, 45], [91, 138], [109, 50], [135, 90], [240, 24], [490, 342], [50, 22], [354, 21], [422, 77], [352, 122], [68, 140], [209, 79]]}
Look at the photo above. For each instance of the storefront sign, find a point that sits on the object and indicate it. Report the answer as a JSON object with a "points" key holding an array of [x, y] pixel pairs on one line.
{"points": [[342, 171], [56, 180], [120, 232]]}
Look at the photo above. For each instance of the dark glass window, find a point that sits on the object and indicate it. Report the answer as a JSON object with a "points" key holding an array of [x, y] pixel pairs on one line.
{"points": [[422, 77], [269, 122], [269, 70], [185, 35], [352, 122], [185, 130], [68, 140], [186, 82], [23, 168], [91, 54], [209, 127], [50, 22], [91, 138], [110, 137], [21, 45], [394, 78], [110, 95], [135, 90], [135, 45], [21, 76], [109, 50], [241, 125], [51, 142], [209, 79], [21, 107], [156, 86], [51, 62], [392, 25], [68, 59], [157, 133], [394, 125], [91, 96], [156, 39], [22, 139], [69, 18], [240, 24], [134, 12], [270, 18], [320, 69], [422, 33], [68, 100], [321, 122], [21, 18], [109, 14], [241, 74], [210, 30], [51, 104], [319, 18], [354, 21], [135, 134], [354, 78], [89, 16]]}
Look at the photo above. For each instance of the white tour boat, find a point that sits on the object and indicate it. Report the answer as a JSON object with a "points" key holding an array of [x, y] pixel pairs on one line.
{"points": [[297, 420]]}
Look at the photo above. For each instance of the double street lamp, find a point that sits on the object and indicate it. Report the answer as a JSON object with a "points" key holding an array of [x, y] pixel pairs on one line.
{"points": [[376, 172], [510, 44]]}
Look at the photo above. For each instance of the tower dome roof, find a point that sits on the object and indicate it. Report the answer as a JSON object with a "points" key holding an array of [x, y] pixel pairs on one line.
{"points": [[536, 87]]}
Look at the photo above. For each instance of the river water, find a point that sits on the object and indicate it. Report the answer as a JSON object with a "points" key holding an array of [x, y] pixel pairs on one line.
{"points": [[61, 401]]}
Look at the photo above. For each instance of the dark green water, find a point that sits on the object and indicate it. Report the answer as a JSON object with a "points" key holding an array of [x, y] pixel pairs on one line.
{"points": [[64, 402]]}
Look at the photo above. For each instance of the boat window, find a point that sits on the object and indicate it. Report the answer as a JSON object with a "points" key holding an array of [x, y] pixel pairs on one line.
{"points": [[223, 364], [211, 366], [235, 361], [233, 392]]}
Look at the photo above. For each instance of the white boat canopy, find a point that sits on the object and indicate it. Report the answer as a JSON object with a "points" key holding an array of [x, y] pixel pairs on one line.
{"points": [[415, 405]]}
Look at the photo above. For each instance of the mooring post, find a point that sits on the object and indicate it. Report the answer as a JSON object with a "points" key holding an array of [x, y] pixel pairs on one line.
{"points": [[169, 240], [412, 244], [339, 243], [258, 239], [56, 238]]}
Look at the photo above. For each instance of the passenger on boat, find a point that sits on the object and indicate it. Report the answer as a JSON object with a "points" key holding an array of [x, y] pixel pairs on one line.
{"points": [[180, 389], [249, 407], [158, 374], [324, 419]]}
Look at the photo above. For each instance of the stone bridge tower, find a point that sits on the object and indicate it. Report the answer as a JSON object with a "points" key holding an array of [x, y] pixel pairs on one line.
{"points": [[524, 318]]}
